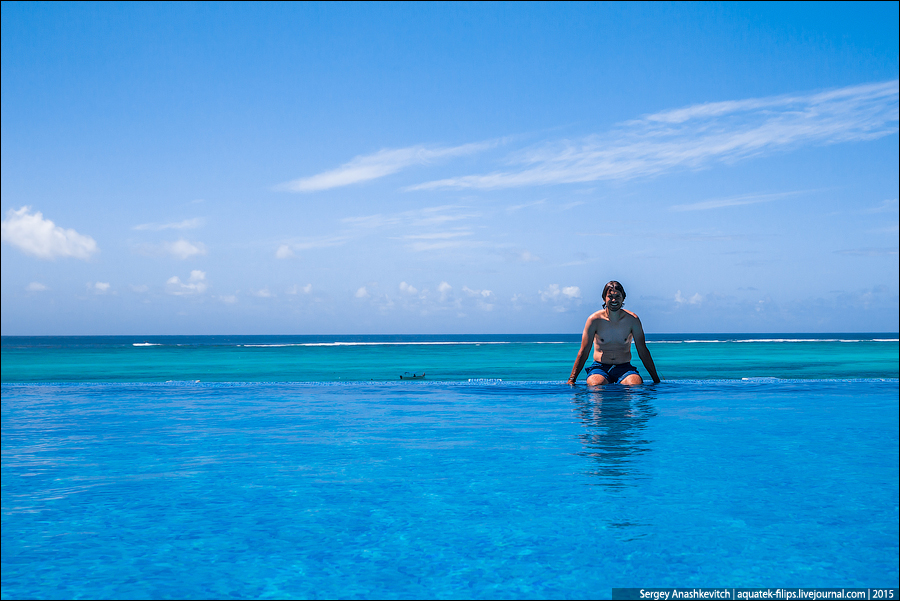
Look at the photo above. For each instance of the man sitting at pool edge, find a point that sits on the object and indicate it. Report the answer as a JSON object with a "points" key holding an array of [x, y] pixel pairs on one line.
{"points": [[610, 331]]}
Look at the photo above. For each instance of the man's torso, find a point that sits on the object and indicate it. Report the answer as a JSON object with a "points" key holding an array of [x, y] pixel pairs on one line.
{"points": [[612, 340]]}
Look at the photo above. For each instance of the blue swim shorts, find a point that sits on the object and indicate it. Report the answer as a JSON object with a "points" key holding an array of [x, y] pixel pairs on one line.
{"points": [[612, 373]]}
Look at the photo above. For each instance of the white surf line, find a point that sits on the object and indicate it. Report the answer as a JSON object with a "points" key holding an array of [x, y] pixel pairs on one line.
{"points": [[774, 340], [370, 344]]}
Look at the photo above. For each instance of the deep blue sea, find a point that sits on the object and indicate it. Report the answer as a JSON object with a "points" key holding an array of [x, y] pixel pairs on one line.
{"points": [[303, 467]]}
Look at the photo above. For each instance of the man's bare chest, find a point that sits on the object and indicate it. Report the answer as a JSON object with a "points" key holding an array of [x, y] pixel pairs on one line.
{"points": [[610, 335]]}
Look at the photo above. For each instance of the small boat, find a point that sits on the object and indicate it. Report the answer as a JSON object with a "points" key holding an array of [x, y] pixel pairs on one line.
{"points": [[408, 375]]}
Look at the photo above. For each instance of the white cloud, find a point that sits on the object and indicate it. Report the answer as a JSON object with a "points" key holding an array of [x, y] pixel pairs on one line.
{"points": [[98, 287], [887, 206], [229, 299], [183, 249], [869, 252], [481, 293], [733, 201], [551, 292], [362, 292], [563, 298], [196, 284], [384, 162], [527, 257], [418, 218], [572, 292], [264, 293], [141, 288], [406, 288], [697, 136], [444, 289], [35, 287], [323, 242], [696, 299], [284, 252], [514, 208], [34, 235], [295, 289], [187, 224]]}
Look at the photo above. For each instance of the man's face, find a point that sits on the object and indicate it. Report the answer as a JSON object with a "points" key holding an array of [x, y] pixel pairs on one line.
{"points": [[614, 299]]}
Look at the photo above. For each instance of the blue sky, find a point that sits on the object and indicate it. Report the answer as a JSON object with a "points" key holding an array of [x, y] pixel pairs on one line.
{"points": [[448, 168]]}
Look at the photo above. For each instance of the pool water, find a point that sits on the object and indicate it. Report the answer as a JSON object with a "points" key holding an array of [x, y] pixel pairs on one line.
{"points": [[446, 489]]}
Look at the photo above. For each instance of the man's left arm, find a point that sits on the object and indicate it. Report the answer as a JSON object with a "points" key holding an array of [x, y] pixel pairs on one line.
{"points": [[640, 344]]}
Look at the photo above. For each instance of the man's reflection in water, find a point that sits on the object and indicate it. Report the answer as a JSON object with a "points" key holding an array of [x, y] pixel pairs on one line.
{"points": [[614, 418]]}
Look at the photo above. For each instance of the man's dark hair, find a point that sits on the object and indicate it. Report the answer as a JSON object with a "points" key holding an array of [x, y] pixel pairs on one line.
{"points": [[612, 285]]}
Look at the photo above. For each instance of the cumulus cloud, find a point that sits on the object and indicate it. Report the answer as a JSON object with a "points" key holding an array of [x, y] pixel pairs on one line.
{"points": [[407, 289], [36, 287], [572, 292], [563, 298], [554, 292], [229, 299], [481, 293], [264, 293], [696, 299], [39, 237], [196, 284], [384, 162], [698, 136], [183, 249], [187, 224], [444, 289], [284, 252], [362, 292], [482, 297], [98, 287], [140, 289], [295, 289]]}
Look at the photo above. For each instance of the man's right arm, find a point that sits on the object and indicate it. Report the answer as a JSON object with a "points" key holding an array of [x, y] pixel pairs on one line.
{"points": [[587, 341]]}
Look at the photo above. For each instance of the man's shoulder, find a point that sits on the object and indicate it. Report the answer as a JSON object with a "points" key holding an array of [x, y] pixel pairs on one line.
{"points": [[630, 315], [597, 315]]}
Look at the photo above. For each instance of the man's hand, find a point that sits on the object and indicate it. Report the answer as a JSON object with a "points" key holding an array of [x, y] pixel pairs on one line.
{"points": [[571, 381]]}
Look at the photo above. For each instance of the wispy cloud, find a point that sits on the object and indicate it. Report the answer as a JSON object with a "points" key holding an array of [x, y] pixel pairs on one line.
{"points": [[187, 224], [869, 252], [36, 287], [418, 218], [732, 201], [887, 206], [698, 136], [39, 237], [384, 162]]}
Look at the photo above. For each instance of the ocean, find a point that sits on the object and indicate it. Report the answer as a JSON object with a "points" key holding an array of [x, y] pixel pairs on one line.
{"points": [[304, 467]]}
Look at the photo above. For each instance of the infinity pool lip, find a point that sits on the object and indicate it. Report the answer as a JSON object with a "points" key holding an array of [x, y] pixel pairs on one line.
{"points": [[470, 382]]}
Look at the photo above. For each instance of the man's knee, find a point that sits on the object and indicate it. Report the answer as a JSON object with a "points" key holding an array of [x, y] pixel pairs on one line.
{"points": [[632, 380], [596, 380]]}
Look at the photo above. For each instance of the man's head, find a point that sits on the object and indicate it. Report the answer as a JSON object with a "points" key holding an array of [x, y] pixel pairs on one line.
{"points": [[618, 295]]}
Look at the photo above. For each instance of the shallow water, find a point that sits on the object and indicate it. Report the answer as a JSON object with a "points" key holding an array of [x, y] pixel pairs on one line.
{"points": [[514, 489]]}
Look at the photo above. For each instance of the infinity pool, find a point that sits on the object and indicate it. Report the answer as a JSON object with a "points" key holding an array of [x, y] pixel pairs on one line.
{"points": [[512, 489]]}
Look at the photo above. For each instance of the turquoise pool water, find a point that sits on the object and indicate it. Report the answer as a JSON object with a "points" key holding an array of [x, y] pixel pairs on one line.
{"points": [[445, 489]]}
